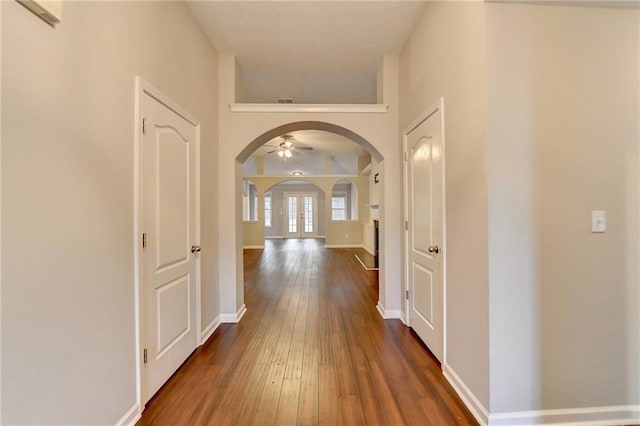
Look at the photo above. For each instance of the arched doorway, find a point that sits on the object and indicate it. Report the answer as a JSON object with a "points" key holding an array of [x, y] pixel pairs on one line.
{"points": [[344, 201], [371, 130]]}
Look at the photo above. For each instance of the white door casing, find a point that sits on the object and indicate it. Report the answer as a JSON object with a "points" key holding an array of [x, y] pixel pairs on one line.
{"points": [[169, 226], [424, 147], [301, 215]]}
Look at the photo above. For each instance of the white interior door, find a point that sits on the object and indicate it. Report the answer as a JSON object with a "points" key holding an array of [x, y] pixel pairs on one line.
{"points": [[425, 231], [169, 226], [301, 218]]}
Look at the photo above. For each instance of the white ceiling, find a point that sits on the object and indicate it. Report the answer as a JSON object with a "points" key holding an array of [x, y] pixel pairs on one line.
{"points": [[323, 143], [309, 162], [311, 51]]}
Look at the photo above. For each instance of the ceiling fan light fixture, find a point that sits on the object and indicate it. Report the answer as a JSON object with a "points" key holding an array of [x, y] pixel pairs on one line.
{"points": [[287, 153], [281, 153], [297, 173]]}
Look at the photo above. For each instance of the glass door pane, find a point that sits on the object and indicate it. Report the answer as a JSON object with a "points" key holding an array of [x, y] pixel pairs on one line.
{"points": [[292, 216], [308, 213]]}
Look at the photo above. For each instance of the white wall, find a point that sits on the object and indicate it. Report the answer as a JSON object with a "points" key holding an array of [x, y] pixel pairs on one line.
{"points": [[445, 57], [563, 102], [68, 350]]}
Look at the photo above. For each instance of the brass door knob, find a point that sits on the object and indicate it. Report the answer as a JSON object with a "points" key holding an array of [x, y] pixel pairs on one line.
{"points": [[433, 249], [195, 249]]}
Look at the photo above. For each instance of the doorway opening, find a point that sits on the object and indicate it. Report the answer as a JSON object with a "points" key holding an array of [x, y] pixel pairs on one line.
{"points": [[346, 171]]}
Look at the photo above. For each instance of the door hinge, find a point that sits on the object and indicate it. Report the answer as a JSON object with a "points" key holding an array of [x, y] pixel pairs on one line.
{"points": [[144, 126], [144, 355], [406, 294], [144, 239], [406, 225]]}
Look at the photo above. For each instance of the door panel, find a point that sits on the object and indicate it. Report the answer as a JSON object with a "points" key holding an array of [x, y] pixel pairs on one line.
{"points": [[421, 195], [173, 198], [422, 302], [173, 312], [425, 232], [168, 221]]}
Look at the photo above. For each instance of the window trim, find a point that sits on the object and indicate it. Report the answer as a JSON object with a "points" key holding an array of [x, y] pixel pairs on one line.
{"points": [[342, 194]]}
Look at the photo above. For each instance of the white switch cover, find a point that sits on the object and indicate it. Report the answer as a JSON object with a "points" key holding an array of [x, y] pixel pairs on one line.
{"points": [[598, 221]]}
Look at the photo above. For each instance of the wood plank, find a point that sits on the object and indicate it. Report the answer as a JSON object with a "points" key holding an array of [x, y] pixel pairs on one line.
{"points": [[311, 349]]}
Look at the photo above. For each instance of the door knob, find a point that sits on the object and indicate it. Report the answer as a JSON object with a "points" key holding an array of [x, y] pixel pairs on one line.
{"points": [[433, 249], [195, 249]]}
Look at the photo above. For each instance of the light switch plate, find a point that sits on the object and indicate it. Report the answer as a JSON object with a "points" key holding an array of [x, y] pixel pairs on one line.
{"points": [[598, 221]]}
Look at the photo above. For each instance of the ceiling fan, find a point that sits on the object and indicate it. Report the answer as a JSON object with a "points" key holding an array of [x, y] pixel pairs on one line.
{"points": [[285, 149]]}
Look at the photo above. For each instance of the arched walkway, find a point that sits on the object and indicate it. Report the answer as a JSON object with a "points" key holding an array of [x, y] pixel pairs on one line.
{"points": [[309, 125]]}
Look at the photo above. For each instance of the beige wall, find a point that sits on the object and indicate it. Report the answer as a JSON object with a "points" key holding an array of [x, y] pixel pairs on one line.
{"points": [[563, 90], [68, 331], [445, 57], [337, 233]]}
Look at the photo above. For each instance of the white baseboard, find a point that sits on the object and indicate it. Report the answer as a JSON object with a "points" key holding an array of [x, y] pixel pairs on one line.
{"points": [[260, 247], [468, 398], [403, 318], [208, 331], [233, 318], [274, 238], [241, 312], [343, 245], [388, 313], [369, 250], [591, 416], [130, 417]]}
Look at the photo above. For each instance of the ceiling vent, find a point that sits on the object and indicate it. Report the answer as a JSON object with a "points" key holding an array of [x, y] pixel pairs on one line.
{"points": [[285, 100]]}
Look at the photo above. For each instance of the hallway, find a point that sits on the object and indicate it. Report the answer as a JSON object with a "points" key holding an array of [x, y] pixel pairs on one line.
{"points": [[311, 349]]}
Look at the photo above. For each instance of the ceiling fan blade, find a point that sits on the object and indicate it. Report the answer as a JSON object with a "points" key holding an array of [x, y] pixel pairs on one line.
{"points": [[305, 148], [271, 152]]}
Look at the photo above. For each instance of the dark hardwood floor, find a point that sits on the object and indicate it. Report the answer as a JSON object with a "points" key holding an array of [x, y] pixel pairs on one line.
{"points": [[311, 349]]}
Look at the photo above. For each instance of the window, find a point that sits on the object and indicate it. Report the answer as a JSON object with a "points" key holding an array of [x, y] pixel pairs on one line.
{"points": [[344, 200], [267, 210], [249, 201], [339, 206]]}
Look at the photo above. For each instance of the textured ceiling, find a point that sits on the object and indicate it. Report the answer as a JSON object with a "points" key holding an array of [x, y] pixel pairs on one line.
{"points": [[311, 51]]}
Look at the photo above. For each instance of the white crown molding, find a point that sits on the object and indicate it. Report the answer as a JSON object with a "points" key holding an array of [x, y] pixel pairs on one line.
{"points": [[330, 108]]}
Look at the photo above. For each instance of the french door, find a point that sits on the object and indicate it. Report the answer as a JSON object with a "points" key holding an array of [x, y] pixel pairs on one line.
{"points": [[301, 218]]}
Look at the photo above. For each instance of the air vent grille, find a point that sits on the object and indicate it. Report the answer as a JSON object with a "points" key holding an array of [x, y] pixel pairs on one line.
{"points": [[284, 100]]}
